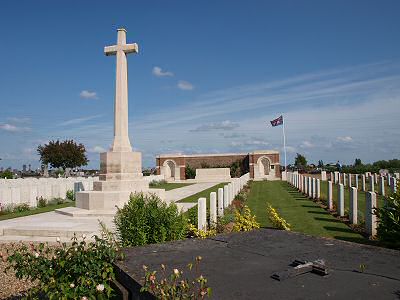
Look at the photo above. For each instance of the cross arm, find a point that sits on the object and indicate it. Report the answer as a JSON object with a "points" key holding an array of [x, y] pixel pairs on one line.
{"points": [[127, 48]]}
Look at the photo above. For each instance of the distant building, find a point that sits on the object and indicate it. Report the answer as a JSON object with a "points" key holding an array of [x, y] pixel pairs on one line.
{"points": [[260, 164]]}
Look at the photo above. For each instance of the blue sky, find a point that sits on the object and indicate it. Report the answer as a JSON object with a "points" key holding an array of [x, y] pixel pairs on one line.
{"points": [[208, 78]]}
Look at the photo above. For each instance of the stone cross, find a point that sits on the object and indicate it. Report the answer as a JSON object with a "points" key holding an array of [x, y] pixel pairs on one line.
{"points": [[121, 138]]}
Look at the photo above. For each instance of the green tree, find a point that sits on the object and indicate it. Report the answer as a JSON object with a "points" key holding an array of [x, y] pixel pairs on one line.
{"points": [[7, 174], [357, 162], [65, 154], [320, 164], [300, 161]]}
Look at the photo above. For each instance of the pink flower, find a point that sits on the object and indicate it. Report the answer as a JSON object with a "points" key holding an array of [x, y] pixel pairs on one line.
{"points": [[152, 278], [36, 254]]}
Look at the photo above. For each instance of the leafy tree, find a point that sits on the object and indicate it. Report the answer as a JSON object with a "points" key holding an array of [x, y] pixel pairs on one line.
{"points": [[357, 162], [320, 164], [7, 174], [65, 154], [300, 161]]}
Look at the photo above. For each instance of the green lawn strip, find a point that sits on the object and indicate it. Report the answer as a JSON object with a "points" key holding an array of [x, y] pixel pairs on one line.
{"points": [[171, 185], [301, 213], [360, 198], [203, 194], [35, 211]]}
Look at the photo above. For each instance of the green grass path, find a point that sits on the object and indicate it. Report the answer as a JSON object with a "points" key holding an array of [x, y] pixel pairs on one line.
{"points": [[35, 211], [203, 194], [302, 214]]}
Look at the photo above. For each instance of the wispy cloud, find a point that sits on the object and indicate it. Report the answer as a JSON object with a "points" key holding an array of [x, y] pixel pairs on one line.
{"points": [[346, 139], [185, 86], [157, 71], [13, 128], [85, 94], [23, 120], [224, 125], [79, 120]]}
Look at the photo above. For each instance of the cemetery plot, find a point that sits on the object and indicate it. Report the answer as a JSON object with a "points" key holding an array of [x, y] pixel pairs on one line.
{"points": [[301, 213]]}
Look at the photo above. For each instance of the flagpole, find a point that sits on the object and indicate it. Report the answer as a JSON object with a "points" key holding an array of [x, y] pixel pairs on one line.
{"points": [[284, 141]]}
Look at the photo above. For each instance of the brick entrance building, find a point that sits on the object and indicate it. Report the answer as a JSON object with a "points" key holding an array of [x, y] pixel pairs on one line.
{"points": [[260, 164]]}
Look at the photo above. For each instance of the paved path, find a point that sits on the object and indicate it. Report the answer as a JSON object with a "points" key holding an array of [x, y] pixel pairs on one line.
{"points": [[48, 226], [186, 191]]}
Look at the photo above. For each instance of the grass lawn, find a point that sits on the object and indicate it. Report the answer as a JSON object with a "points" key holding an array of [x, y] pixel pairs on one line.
{"points": [[35, 211], [360, 197], [203, 194], [301, 213], [170, 186]]}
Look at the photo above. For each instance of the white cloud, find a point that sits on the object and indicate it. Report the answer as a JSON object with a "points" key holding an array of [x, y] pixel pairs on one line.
{"points": [[346, 139], [306, 145], [184, 85], [224, 125], [78, 120], [13, 128], [85, 94], [97, 149], [157, 71]]}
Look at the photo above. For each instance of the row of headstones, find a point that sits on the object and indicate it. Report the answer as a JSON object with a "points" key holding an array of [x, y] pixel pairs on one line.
{"points": [[311, 187], [373, 179], [220, 201], [19, 191]]}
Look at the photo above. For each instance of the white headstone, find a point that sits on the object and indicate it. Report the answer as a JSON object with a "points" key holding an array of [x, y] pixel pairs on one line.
{"points": [[226, 196], [330, 195], [370, 217], [363, 185], [318, 189], [341, 200], [202, 214], [220, 202], [323, 175], [371, 184], [353, 206], [382, 186], [213, 209]]}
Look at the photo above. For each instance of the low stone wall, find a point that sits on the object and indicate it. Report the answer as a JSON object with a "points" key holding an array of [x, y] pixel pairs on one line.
{"points": [[213, 174], [18, 191], [154, 177]]}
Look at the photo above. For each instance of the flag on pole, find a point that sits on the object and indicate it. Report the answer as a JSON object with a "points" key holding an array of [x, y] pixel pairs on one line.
{"points": [[277, 121]]}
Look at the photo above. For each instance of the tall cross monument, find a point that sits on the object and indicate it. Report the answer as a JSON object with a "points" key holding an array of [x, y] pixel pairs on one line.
{"points": [[121, 138], [120, 168]]}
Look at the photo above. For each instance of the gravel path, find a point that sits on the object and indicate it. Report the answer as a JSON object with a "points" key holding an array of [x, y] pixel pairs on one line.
{"points": [[10, 286]]}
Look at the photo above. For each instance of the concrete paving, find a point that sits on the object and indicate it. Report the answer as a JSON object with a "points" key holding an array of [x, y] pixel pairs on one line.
{"points": [[48, 226]]}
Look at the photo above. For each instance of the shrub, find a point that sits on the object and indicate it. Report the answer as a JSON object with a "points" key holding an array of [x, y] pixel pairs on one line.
{"points": [[174, 286], [190, 173], [21, 207], [389, 219], [75, 271], [157, 183], [244, 221], [70, 195], [276, 220], [147, 220], [41, 202], [193, 232]]}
